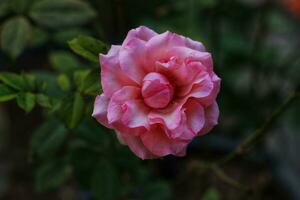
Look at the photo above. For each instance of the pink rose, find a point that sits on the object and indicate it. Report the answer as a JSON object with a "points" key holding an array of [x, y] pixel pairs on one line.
{"points": [[159, 92]]}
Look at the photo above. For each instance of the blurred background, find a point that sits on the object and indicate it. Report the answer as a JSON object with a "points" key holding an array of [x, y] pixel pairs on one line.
{"points": [[51, 148]]}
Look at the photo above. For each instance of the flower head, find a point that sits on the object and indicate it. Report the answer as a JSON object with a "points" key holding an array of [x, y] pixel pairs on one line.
{"points": [[159, 92]]}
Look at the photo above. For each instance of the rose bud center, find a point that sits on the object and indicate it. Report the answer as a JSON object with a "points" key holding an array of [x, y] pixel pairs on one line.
{"points": [[157, 91]]}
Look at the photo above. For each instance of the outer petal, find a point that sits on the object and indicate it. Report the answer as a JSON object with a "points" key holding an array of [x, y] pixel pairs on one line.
{"points": [[202, 89], [208, 100], [112, 77], [142, 33], [159, 144], [136, 146], [132, 54], [100, 110], [132, 59], [195, 115], [204, 57], [194, 45], [211, 118]]}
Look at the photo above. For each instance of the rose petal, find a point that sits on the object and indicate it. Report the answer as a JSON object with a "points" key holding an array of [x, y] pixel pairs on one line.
{"points": [[158, 45], [136, 146], [202, 89], [100, 110], [112, 77], [136, 114], [209, 99], [159, 144], [182, 131], [194, 44], [132, 59], [115, 110], [195, 115], [211, 118], [142, 33], [169, 117]]}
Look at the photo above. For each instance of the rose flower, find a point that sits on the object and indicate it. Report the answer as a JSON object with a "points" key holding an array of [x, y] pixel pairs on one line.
{"points": [[159, 92]]}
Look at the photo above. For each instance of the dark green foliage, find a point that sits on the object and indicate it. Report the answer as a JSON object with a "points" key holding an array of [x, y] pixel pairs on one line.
{"points": [[6, 93], [64, 62], [4, 7], [48, 139], [72, 109], [88, 47], [52, 174], [105, 182], [61, 13], [26, 23], [26, 101], [15, 35]]}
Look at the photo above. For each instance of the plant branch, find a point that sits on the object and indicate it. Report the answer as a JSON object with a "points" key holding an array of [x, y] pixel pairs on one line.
{"points": [[227, 179], [260, 132], [220, 174]]}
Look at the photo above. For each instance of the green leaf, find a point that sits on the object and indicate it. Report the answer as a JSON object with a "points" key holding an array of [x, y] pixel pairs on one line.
{"points": [[91, 85], [43, 101], [39, 37], [26, 101], [48, 139], [87, 81], [61, 13], [64, 36], [12, 80], [47, 84], [6, 93], [80, 76], [211, 194], [19, 6], [51, 175], [105, 182], [29, 82], [4, 7], [90, 131], [72, 110], [63, 61], [15, 35], [64, 82], [88, 47]]}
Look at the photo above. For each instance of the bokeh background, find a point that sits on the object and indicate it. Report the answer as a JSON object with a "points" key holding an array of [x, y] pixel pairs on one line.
{"points": [[51, 148]]}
